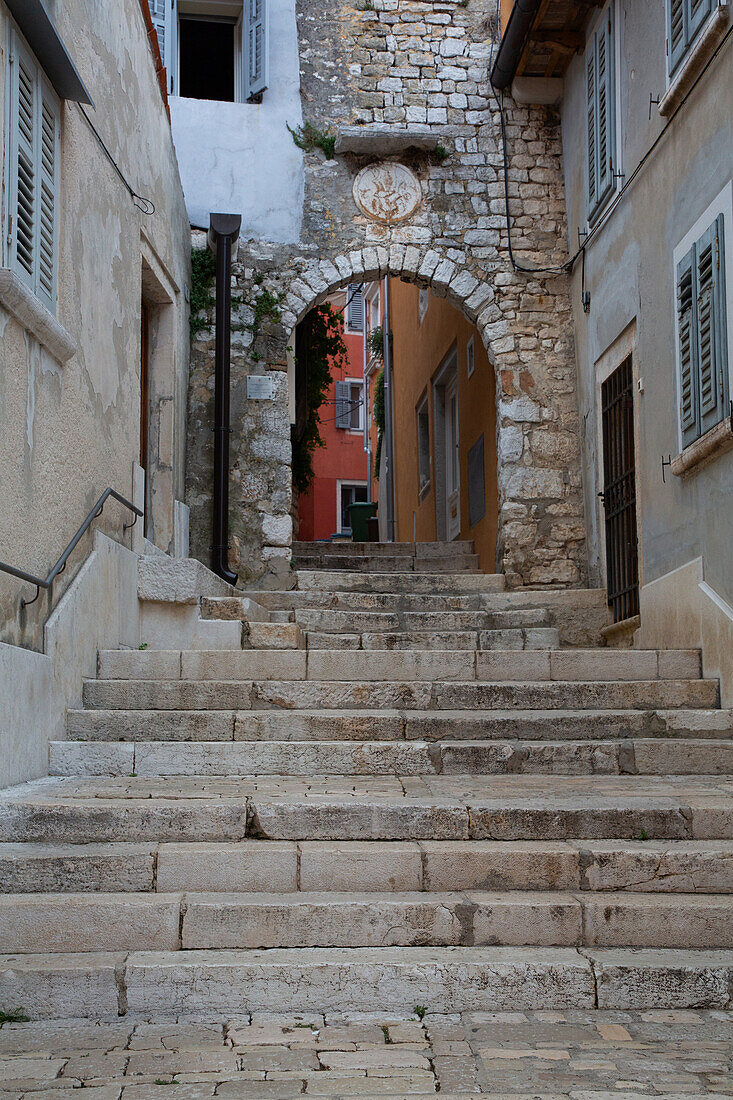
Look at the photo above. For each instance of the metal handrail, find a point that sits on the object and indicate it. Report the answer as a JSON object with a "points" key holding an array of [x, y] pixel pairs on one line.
{"points": [[60, 565]]}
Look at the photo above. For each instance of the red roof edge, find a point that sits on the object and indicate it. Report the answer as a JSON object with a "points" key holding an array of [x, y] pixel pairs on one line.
{"points": [[160, 68]]}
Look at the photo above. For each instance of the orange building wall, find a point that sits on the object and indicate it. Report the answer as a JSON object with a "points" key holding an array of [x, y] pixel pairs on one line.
{"points": [[342, 459], [418, 352]]}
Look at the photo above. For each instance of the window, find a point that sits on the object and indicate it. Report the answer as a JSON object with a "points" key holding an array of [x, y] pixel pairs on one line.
{"points": [[702, 334], [685, 20], [354, 307], [349, 494], [350, 405], [423, 447], [372, 305], [470, 358], [33, 156], [423, 301], [601, 113], [214, 49]]}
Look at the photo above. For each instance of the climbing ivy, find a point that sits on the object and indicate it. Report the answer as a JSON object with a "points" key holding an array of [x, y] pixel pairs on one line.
{"points": [[325, 348], [379, 418], [308, 137], [203, 267]]}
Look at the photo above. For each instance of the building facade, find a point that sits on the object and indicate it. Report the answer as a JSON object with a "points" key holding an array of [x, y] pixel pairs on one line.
{"points": [[647, 131], [94, 270]]}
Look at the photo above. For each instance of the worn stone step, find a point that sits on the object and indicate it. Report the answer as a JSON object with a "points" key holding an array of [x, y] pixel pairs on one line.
{"points": [[325, 580], [170, 984], [680, 866], [441, 665], [359, 622], [533, 638], [611, 757], [412, 695], [382, 549], [74, 922], [390, 725], [365, 563]]}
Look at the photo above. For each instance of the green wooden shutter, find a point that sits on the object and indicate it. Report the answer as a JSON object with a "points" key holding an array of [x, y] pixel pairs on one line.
{"points": [[590, 71], [23, 190], [257, 48], [711, 325], [343, 405], [687, 344], [606, 108], [47, 161]]}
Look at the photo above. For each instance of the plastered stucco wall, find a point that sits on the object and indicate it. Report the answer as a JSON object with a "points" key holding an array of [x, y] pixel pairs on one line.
{"points": [[419, 351], [239, 157], [629, 272], [70, 430]]}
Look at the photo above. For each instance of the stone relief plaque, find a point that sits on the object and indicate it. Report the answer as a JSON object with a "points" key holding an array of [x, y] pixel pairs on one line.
{"points": [[387, 192]]}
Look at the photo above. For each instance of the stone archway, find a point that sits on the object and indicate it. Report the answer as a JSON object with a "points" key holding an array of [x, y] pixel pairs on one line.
{"points": [[541, 532]]}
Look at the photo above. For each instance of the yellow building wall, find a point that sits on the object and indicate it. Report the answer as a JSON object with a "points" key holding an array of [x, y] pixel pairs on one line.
{"points": [[419, 350]]}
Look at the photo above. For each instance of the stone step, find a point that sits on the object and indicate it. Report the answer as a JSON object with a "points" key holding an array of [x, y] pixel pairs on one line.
{"points": [[381, 549], [74, 922], [410, 695], [325, 580], [438, 807], [546, 637], [673, 867], [366, 563], [455, 979], [611, 757], [391, 725], [490, 666], [434, 622]]}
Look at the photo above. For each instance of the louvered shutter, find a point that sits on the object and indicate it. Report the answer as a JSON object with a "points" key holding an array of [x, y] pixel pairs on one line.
{"points": [[158, 16], [687, 338], [711, 325], [47, 161], [605, 106], [23, 182], [698, 12], [257, 48], [591, 99], [677, 16], [343, 408], [355, 307]]}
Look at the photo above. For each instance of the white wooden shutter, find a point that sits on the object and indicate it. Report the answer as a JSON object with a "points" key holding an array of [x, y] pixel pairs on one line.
{"points": [[699, 10], [158, 15], [164, 14], [355, 307], [257, 47], [48, 188], [23, 205], [343, 405], [687, 342], [711, 324], [677, 31]]}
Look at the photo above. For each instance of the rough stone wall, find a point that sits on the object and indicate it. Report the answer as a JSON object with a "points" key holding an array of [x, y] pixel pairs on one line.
{"points": [[397, 66]]}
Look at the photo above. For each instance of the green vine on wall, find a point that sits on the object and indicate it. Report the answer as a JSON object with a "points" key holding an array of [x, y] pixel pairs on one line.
{"points": [[203, 268], [323, 338], [308, 137]]}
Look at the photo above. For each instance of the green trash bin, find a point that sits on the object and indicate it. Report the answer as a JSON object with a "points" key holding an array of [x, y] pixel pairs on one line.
{"points": [[359, 513]]}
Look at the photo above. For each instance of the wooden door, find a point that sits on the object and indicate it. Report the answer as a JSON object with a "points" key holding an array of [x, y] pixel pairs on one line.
{"points": [[619, 493]]}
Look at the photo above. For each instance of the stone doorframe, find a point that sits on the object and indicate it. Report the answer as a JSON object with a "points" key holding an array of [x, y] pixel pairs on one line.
{"points": [[526, 329]]}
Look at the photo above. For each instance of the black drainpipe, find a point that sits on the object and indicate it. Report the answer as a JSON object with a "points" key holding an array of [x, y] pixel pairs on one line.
{"points": [[513, 42], [223, 232]]}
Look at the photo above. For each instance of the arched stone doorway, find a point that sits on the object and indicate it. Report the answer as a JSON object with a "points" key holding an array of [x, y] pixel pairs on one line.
{"points": [[541, 537]]}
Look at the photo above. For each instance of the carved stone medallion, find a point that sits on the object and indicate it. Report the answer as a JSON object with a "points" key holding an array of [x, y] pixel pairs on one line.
{"points": [[387, 192]]}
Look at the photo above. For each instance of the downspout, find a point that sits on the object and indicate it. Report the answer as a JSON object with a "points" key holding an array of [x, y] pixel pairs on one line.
{"points": [[365, 393], [223, 232], [388, 419], [513, 42]]}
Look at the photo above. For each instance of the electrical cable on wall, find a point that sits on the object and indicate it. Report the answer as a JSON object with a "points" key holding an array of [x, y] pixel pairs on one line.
{"points": [[146, 205]]}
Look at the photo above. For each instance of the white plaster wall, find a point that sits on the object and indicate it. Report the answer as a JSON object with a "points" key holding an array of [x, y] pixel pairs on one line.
{"points": [[239, 157], [99, 610]]}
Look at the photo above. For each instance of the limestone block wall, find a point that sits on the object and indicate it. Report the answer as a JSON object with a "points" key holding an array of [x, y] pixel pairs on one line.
{"points": [[407, 66]]}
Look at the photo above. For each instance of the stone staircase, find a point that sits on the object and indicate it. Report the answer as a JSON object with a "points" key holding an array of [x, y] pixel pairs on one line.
{"points": [[393, 787]]}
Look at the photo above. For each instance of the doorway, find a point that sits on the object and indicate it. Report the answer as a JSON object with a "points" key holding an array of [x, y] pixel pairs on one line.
{"points": [[619, 492], [145, 402], [447, 450]]}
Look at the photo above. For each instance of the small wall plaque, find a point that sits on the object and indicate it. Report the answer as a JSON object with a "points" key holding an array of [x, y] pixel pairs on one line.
{"points": [[260, 387], [387, 192]]}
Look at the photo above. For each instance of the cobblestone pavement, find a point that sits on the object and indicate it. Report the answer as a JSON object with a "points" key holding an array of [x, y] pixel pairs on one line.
{"points": [[517, 1055]]}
